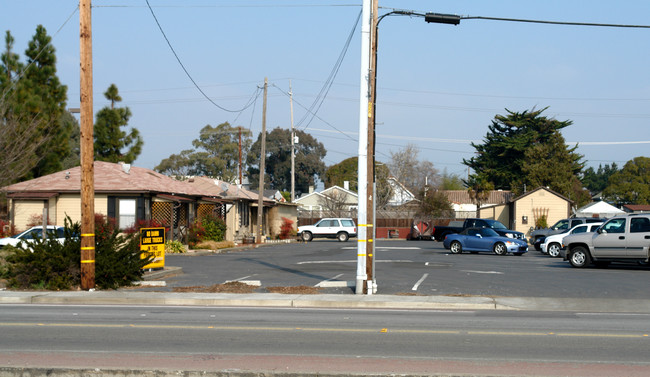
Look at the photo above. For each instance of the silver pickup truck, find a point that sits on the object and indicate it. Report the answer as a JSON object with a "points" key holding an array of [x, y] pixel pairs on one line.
{"points": [[620, 239]]}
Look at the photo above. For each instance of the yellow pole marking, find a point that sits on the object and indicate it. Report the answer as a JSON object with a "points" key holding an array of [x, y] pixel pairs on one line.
{"points": [[88, 261], [87, 235]]}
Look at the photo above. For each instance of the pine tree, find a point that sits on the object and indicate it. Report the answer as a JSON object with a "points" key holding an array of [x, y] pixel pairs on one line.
{"points": [[111, 143], [45, 99]]}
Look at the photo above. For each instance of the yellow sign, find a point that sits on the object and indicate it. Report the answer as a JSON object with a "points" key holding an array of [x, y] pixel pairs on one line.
{"points": [[152, 242]]}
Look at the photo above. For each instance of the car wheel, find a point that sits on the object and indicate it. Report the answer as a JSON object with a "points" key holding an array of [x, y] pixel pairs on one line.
{"points": [[500, 248], [342, 236], [554, 250], [306, 236], [456, 247], [579, 257]]}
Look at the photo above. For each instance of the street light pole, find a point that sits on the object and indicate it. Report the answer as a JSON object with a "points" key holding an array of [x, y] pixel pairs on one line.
{"points": [[370, 282]]}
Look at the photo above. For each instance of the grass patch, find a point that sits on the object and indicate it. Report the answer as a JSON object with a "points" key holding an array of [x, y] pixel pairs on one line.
{"points": [[230, 287]]}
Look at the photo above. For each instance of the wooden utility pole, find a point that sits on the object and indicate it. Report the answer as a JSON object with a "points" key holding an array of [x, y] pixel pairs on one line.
{"points": [[260, 199], [240, 174], [370, 183], [293, 149], [87, 150]]}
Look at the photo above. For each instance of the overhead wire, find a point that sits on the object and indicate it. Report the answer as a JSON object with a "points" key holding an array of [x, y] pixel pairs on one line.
{"points": [[20, 76], [185, 69], [320, 98]]}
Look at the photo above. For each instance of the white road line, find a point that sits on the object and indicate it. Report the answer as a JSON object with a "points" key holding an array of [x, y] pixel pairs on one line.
{"points": [[483, 272], [415, 287]]}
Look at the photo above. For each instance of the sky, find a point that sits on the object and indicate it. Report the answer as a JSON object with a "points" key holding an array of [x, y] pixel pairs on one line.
{"points": [[439, 86]]}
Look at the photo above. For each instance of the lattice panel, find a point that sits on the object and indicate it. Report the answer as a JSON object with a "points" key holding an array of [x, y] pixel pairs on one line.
{"points": [[204, 210], [161, 212]]}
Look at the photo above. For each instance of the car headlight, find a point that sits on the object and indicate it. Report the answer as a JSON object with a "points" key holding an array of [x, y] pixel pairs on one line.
{"points": [[511, 243], [510, 235]]}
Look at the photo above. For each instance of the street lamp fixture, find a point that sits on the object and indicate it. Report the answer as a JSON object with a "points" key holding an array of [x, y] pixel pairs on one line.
{"points": [[441, 18]]}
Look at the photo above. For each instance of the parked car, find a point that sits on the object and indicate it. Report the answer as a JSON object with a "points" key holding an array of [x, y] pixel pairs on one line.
{"points": [[620, 239], [484, 239], [34, 233], [339, 228], [553, 244], [537, 236], [440, 232]]}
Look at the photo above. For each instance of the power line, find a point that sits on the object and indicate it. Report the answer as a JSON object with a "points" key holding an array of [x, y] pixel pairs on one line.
{"points": [[567, 23], [320, 98], [187, 73]]}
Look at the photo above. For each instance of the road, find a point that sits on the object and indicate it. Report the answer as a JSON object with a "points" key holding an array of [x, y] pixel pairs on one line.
{"points": [[411, 267], [362, 341]]}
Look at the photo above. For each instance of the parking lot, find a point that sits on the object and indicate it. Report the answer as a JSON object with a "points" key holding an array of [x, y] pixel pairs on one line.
{"points": [[409, 267]]}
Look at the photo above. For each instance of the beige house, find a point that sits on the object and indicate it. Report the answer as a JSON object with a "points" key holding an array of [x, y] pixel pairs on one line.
{"points": [[522, 212], [241, 209], [123, 192], [464, 206]]}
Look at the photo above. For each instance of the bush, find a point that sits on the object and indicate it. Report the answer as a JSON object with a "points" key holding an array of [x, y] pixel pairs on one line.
{"points": [[55, 266], [209, 228], [286, 229], [174, 247]]}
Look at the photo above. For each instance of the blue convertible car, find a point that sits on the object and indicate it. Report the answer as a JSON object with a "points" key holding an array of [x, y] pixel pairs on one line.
{"points": [[484, 239]]}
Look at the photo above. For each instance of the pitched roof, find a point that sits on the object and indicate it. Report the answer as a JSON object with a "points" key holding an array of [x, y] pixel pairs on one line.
{"points": [[109, 178], [462, 197], [224, 189], [637, 207], [545, 189]]}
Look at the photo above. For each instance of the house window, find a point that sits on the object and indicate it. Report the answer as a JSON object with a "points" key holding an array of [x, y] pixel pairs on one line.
{"points": [[126, 212]]}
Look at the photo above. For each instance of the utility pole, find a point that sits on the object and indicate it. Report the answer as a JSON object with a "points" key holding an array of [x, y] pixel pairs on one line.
{"points": [[370, 183], [87, 149], [293, 149], [260, 199], [365, 110], [240, 175]]}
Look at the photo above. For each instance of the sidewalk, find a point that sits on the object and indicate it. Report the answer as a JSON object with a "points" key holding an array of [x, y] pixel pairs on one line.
{"points": [[327, 301]]}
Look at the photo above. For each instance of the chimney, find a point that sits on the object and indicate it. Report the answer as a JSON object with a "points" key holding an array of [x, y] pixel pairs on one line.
{"points": [[311, 189], [346, 185], [125, 167]]}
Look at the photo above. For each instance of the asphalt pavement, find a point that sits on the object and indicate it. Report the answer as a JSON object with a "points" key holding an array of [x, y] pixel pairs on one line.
{"points": [[350, 301]]}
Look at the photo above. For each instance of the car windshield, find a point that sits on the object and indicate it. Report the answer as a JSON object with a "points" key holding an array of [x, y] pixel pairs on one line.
{"points": [[488, 232], [495, 224]]}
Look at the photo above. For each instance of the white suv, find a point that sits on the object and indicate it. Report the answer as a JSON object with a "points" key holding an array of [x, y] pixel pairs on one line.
{"points": [[339, 228], [553, 243]]}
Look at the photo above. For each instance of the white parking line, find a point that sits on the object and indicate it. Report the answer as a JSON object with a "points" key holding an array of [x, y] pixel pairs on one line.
{"points": [[328, 280], [483, 272], [415, 287], [354, 261], [386, 248]]}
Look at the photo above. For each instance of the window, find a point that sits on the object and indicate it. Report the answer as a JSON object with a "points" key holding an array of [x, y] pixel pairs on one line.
{"points": [[580, 229], [562, 224], [639, 224], [126, 212], [615, 226], [244, 213]]}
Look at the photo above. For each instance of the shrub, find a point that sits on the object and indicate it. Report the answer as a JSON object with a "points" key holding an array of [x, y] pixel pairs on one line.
{"points": [[51, 265], [174, 247], [541, 222], [209, 228], [286, 229], [36, 220]]}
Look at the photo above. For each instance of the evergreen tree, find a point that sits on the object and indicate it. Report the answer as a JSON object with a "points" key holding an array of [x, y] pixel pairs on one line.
{"points": [[597, 181], [111, 143], [33, 102], [309, 155], [45, 99], [630, 185], [216, 154], [527, 150]]}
